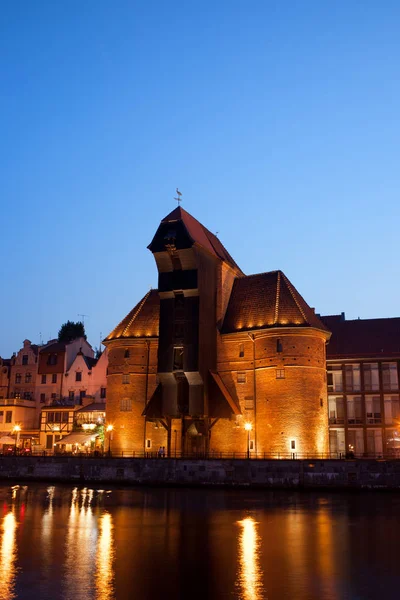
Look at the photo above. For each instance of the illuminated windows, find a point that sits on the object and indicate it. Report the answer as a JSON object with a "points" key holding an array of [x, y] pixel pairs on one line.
{"points": [[335, 378], [241, 377], [280, 373], [352, 378], [125, 379], [389, 376], [371, 376]]}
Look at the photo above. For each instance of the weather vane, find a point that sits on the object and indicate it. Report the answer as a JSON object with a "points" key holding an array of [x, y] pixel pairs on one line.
{"points": [[179, 198]]}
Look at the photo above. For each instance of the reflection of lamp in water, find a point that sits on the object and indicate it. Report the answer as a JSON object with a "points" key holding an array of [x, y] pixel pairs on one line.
{"points": [[8, 556], [250, 571], [104, 559], [248, 427]]}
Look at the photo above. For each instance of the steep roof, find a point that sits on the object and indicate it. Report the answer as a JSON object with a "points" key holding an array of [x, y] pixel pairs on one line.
{"points": [[56, 347], [91, 362], [201, 235], [362, 337], [267, 300], [141, 322]]}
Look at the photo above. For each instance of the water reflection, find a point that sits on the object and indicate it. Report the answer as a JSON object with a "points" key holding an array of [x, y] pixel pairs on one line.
{"points": [[250, 573], [104, 561], [8, 556], [80, 546]]}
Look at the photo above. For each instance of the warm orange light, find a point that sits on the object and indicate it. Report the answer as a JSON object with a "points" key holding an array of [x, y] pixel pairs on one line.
{"points": [[17, 427], [248, 426], [110, 427]]}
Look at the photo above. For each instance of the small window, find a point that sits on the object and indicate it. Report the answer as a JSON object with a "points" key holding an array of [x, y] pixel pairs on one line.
{"points": [[28, 377], [50, 417], [71, 395], [127, 354], [52, 360], [280, 373], [1, 416], [251, 446], [279, 346], [65, 417], [103, 392], [18, 378], [178, 358], [82, 394], [78, 376], [43, 378], [125, 378], [249, 403], [25, 359], [241, 377], [54, 378], [8, 416], [125, 404], [148, 444], [293, 444], [53, 396], [241, 350], [49, 442], [27, 395], [42, 398]]}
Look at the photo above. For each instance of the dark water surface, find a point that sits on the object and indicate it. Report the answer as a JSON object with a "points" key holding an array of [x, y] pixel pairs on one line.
{"points": [[88, 543]]}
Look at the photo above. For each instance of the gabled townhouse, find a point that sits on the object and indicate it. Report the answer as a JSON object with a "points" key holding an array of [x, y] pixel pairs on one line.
{"points": [[24, 367], [55, 360], [86, 379]]}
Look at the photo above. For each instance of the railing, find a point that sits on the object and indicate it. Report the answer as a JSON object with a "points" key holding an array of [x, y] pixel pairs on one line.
{"points": [[389, 455]]}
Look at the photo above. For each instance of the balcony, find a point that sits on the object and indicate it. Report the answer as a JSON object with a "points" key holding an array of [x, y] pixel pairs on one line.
{"points": [[336, 421]]}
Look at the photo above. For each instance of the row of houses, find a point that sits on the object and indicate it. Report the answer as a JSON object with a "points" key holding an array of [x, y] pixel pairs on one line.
{"points": [[52, 391]]}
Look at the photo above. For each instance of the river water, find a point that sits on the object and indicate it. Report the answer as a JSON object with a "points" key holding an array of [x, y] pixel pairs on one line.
{"points": [[86, 543]]}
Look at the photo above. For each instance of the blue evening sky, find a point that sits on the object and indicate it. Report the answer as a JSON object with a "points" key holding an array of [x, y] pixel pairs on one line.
{"points": [[278, 120]]}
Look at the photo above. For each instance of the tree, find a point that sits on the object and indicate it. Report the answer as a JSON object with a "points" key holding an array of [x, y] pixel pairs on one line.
{"points": [[70, 331]]}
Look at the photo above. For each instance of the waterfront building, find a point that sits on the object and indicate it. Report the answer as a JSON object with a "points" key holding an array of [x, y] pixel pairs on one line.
{"points": [[86, 377], [214, 360], [5, 366], [24, 367], [55, 361], [363, 359]]}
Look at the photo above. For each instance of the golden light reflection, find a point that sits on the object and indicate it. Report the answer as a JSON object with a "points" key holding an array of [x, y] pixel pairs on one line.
{"points": [[8, 557], [47, 528], [104, 559], [80, 543], [250, 573]]}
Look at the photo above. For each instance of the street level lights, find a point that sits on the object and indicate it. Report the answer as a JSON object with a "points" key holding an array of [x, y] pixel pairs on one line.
{"points": [[248, 427], [110, 430], [17, 430]]}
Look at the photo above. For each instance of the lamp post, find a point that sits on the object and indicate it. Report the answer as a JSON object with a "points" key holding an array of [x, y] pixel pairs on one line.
{"points": [[110, 430], [176, 434], [17, 430], [248, 427]]}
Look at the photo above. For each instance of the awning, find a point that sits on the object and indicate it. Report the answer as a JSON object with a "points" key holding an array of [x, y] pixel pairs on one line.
{"points": [[77, 438], [7, 440], [221, 403]]}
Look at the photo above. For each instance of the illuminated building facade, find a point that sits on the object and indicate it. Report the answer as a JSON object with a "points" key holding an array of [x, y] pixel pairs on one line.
{"points": [[363, 360], [212, 350]]}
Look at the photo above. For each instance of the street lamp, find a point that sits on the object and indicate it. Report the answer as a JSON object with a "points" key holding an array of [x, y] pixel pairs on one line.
{"points": [[17, 430], [248, 427], [110, 430]]}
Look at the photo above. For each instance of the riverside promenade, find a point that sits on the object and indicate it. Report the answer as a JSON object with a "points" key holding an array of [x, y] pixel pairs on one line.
{"points": [[367, 474]]}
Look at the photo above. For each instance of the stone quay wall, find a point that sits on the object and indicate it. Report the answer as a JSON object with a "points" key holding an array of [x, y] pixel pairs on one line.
{"points": [[290, 474]]}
